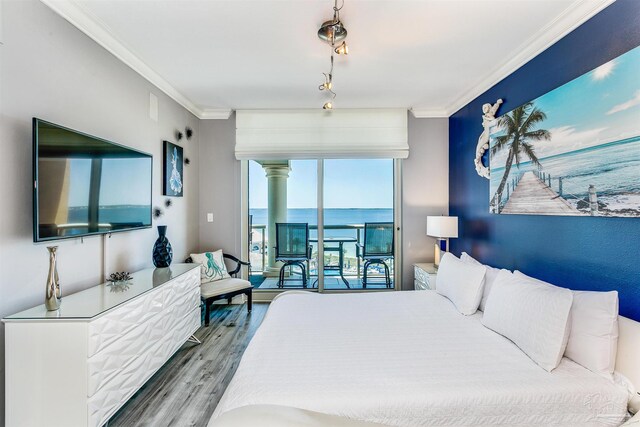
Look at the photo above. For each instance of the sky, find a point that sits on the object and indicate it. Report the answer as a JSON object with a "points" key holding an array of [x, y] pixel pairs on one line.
{"points": [[353, 183], [600, 106]]}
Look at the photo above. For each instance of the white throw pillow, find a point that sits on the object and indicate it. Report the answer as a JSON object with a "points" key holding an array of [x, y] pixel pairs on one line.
{"points": [[593, 339], [534, 317], [460, 282], [489, 277], [212, 266]]}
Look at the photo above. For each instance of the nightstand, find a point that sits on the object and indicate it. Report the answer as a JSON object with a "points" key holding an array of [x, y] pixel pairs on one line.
{"points": [[424, 275]]}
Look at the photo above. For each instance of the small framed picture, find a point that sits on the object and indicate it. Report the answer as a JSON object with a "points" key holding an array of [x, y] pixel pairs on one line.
{"points": [[172, 168]]}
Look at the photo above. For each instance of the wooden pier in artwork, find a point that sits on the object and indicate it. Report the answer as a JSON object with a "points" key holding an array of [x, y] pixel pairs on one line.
{"points": [[532, 196]]}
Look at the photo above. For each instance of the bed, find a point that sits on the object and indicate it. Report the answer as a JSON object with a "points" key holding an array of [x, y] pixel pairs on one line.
{"points": [[409, 359]]}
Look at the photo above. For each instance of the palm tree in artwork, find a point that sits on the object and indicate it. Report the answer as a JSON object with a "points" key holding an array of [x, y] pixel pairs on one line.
{"points": [[519, 131]]}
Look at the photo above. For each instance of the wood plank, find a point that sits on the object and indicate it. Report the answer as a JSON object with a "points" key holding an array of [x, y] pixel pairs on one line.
{"points": [[532, 196], [186, 390]]}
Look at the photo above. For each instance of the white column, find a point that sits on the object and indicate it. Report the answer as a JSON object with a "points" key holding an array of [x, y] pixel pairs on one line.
{"points": [[277, 174]]}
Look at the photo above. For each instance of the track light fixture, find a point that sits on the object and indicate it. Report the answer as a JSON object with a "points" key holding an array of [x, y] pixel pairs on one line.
{"points": [[332, 32]]}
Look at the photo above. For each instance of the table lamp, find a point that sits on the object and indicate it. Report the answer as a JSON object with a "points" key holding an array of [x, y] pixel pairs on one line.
{"points": [[442, 228]]}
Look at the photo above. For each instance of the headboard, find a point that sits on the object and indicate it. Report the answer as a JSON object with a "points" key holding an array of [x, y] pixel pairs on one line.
{"points": [[628, 358]]}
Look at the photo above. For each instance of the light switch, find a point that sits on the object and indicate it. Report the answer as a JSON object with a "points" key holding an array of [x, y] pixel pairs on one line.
{"points": [[209, 217]]}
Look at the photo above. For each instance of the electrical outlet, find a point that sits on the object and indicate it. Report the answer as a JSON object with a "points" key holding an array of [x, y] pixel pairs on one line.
{"points": [[209, 217]]}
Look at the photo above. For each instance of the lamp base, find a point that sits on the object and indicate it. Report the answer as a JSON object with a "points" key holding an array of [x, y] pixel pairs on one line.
{"points": [[440, 250]]}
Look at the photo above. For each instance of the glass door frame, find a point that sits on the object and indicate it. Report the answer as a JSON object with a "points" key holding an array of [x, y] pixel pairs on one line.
{"points": [[268, 295]]}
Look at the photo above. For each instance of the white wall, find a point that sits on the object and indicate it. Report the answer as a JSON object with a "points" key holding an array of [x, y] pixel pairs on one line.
{"points": [[219, 186], [51, 70], [425, 182], [425, 188]]}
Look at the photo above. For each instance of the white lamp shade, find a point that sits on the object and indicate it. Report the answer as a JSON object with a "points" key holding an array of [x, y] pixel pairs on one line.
{"points": [[442, 226]]}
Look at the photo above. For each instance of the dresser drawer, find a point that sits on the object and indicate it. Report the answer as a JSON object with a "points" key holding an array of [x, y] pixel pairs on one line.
{"points": [[418, 285], [117, 389], [113, 325]]}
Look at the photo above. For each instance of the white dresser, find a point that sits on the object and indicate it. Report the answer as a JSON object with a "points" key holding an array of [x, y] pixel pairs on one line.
{"points": [[424, 276], [77, 366]]}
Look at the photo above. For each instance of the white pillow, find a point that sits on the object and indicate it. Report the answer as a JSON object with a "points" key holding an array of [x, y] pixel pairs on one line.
{"points": [[593, 340], [489, 277], [461, 283], [534, 317], [212, 266]]}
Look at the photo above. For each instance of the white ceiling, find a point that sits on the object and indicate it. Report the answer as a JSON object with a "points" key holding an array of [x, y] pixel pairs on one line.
{"points": [[432, 55]]}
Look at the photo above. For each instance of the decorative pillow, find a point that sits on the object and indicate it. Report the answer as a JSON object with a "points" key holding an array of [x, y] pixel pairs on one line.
{"points": [[461, 283], [212, 266], [593, 340], [489, 277], [534, 317]]}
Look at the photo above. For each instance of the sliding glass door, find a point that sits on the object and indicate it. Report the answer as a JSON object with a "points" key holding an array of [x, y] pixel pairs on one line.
{"points": [[299, 212], [358, 224]]}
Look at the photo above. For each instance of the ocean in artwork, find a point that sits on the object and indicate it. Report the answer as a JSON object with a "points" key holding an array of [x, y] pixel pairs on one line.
{"points": [[574, 150]]}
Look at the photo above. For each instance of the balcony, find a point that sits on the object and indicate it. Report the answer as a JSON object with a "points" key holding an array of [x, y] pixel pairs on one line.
{"points": [[351, 269]]}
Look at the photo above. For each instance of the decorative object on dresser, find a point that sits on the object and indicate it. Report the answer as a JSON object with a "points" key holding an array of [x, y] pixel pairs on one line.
{"points": [[162, 251], [53, 296], [216, 283], [172, 170], [102, 345], [120, 277], [442, 228], [424, 276]]}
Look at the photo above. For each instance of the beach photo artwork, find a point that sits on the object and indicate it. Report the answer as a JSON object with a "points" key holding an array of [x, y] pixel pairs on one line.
{"points": [[574, 150]]}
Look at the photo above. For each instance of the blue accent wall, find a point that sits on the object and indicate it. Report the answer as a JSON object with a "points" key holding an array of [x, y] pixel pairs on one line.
{"points": [[588, 253]]}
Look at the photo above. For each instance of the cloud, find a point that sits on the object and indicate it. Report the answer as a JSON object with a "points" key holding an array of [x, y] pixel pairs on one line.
{"points": [[604, 70], [626, 105]]}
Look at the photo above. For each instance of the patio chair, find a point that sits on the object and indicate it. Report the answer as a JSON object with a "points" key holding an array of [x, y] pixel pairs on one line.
{"points": [[376, 249], [225, 288], [292, 249]]}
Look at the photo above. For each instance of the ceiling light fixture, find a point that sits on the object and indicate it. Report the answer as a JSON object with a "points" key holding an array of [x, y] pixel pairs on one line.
{"points": [[332, 32]]}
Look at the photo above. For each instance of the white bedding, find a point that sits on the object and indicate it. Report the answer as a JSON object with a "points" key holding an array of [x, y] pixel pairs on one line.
{"points": [[409, 358]]}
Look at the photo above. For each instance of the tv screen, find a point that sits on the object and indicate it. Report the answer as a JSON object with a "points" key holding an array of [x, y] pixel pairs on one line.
{"points": [[85, 185]]}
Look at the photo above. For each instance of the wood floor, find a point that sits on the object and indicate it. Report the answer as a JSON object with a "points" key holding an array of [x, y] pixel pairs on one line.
{"points": [[186, 390]]}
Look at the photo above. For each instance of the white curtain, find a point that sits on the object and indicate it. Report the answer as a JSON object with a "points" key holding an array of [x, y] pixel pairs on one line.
{"points": [[320, 134]]}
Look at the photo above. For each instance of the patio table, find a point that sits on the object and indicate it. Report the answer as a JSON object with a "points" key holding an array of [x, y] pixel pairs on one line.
{"points": [[340, 249]]}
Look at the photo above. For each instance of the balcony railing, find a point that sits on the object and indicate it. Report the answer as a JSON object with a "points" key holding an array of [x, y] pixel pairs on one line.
{"points": [[259, 247]]}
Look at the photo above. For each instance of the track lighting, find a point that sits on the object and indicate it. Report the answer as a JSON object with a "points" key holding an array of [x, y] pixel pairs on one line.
{"points": [[343, 49], [332, 32]]}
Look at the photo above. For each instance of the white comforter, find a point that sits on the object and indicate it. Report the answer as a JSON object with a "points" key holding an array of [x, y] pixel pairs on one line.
{"points": [[409, 358]]}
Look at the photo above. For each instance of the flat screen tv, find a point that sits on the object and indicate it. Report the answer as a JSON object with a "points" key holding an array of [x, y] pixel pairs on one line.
{"points": [[84, 185]]}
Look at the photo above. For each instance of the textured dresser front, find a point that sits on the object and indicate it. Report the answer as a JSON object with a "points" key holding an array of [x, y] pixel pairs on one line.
{"points": [[97, 365]]}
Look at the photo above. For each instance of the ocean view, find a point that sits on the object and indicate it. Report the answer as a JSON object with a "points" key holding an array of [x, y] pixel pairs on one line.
{"points": [[333, 217]]}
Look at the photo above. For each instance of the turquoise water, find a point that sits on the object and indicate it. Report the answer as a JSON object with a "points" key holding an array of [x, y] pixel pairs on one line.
{"points": [[613, 168]]}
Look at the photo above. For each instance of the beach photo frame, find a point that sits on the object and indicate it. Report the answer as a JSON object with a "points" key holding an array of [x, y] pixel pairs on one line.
{"points": [[172, 170], [574, 150]]}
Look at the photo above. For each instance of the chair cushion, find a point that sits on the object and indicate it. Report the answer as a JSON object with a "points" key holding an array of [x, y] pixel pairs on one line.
{"points": [[223, 286]]}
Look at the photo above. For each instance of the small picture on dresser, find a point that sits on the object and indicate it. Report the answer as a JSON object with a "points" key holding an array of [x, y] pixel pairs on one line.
{"points": [[173, 162]]}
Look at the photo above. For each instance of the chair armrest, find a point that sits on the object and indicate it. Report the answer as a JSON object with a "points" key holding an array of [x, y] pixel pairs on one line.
{"points": [[359, 250], [309, 251], [238, 262]]}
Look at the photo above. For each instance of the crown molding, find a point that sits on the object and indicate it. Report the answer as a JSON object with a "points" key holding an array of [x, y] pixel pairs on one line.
{"points": [[215, 114], [89, 25], [428, 113], [571, 18]]}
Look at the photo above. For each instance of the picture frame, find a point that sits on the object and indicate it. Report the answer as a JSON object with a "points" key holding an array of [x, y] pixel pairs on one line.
{"points": [[172, 170], [573, 151]]}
